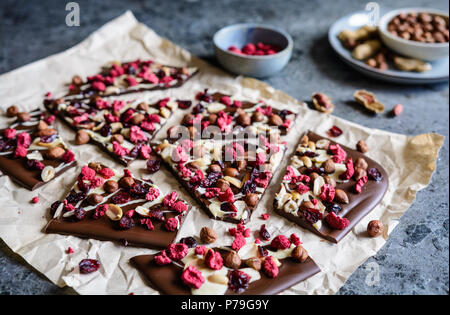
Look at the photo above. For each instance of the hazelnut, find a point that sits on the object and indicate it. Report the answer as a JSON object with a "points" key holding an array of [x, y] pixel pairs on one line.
{"points": [[254, 263], [307, 205], [208, 235], [232, 260], [110, 186], [230, 171], [251, 199], [77, 80], [359, 173], [117, 138], [241, 165], [42, 125], [192, 131], [329, 166], [95, 166], [329, 180], [143, 106], [222, 184], [362, 147], [212, 118], [341, 196], [257, 116], [314, 176], [82, 137], [198, 151], [22, 117], [375, 228], [193, 166], [55, 153], [187, 119], [137, 119], [126, 182], [46, 132], [299, 254], [244, 120], [361, 163], [94, 199], [215, 168], [12, 111], [275, 120], [304, 141]]}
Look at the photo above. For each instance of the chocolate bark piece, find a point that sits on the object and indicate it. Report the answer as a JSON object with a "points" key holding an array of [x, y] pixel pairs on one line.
{"points": [[167, 278], [123, 129], [129, 77], [359, 205], [138, 216], [25, 148], [226, 170]]}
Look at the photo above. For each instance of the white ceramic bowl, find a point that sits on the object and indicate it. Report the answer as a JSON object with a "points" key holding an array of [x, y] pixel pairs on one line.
{"points": [[410, 48]]}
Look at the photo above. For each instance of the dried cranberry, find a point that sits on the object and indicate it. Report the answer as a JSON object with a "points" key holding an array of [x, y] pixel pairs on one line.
{"points": [[318, 170], [238, 281], [153, 166], [138, 190], [248, 187], [74, 197], [184, 104], [198, 109], [189, 242], [374, 174], [312, 215], [265, 235], [89, 266], [79, 214], [262, 251], [283, 113], [34, 165], [5, 144], [54, 206], [210, 179], [48, 139], [331, 206], [334, 131], [309, 154], [121, 198], [126, 223], [106, 130], [228, 207], [156, 214], [135, 151]]}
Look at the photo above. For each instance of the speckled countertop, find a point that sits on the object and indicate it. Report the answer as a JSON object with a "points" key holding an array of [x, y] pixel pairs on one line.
{"points": [[415, 260]]}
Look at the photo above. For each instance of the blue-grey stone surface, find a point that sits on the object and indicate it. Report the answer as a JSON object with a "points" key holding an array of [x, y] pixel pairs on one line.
{"points": [[415, 259]]}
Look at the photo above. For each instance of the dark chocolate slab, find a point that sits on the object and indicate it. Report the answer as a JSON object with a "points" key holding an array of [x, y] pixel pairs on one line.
{"points": [[359, 204]]}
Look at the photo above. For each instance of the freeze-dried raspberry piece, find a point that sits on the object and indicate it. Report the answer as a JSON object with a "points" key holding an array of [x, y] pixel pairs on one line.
{"points": [[360, 184], [301, 178], [127, 173], [166, 80], [336, 222], [180, 207], [171, 225], [295, 239], [163, 102], [286, 124], [270, 268], [99, 86], [177, 251], [118, 105], [97, 182], [302, 189], [238, 242], [89, 266], [20, 152], [227, 196], [35, 200], [144, 152], [137, 135], [68, 157], [111, 119], [87, 173], [192, 277], [131, 81], [280, 242], [339, 154], [226, 100], [170, 199], [70, 250], [263, 179], [265, 216], [327, 193], [289, 174], [213, 260], [334, 131], [9, 133], [147, 223], [119, 150], [162, 259], [223, 121], [200, 250], [237, 104], [179, 155], [79, 119], [212, 192], [184, 171], [100, 211], [349, 172], [198, 177], [260, 158], [106, 172], [48, 120], [147, 125], [152, 194], [153, 118], [103, 104], [23, 140]]}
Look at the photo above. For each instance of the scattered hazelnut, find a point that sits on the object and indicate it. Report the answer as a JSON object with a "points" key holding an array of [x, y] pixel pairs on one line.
{"points": [[362, 147], [359, 173], [275, 120], [329, 166], [230, 171], [244, 120], [361, 163], [193, 166], [232, 260], [95, 166], [208, 235], [22, 117], [257, 116], [192, 131], [254, 263], [251, 199], [77, 80], [143, 106], [329, 180], [307, 205], [299, 254], [212, 118], [55, 153], [12, 111], [241, 165], [110, 186], [46, 132], [82, 137], [117, 138], [126, 182], [42, 125], [222, 184], [94, 199], [215, 168], [375, 228], [137, 119], [314, 176], [304, 141], [341, 196]]}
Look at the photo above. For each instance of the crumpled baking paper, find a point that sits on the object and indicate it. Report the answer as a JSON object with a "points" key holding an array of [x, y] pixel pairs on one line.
{"points": [[410, 161]]}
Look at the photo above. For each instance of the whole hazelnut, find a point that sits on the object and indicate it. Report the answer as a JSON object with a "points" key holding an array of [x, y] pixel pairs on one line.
{"points": [[375, 228], [137, 119], [307, 205], [208, 235], [95, 166], [77, 80], [254, 262], [110, 186], [55, 153], [330, 181], [94, 199], [359, 173], [329, 166], [304, 141], [82, 137], [257, 116], [117, 138], [299, 254], [244, 120], [232, 260], [215, 168], [192, 131], [12, 111], [241, 165], [313, 176], [341, 196], [42, 125], [193, 166], [230, 171], [251, 199], [361, 163], [187, 119], [222, 184], [46, 132], [143, 106], [212, 118], [126, 182], [23, 117], [275, 120], [362, 147]]}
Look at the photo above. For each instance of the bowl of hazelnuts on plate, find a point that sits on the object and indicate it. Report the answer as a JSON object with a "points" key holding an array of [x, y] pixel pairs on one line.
{"points": [[416, 32]]}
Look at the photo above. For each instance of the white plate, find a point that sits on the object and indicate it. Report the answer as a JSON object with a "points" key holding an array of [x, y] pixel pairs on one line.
{"points": [[439, 72]]}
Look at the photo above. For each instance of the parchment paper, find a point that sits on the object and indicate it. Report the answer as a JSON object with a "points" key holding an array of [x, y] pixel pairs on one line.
{"points": [[410, 161]]}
